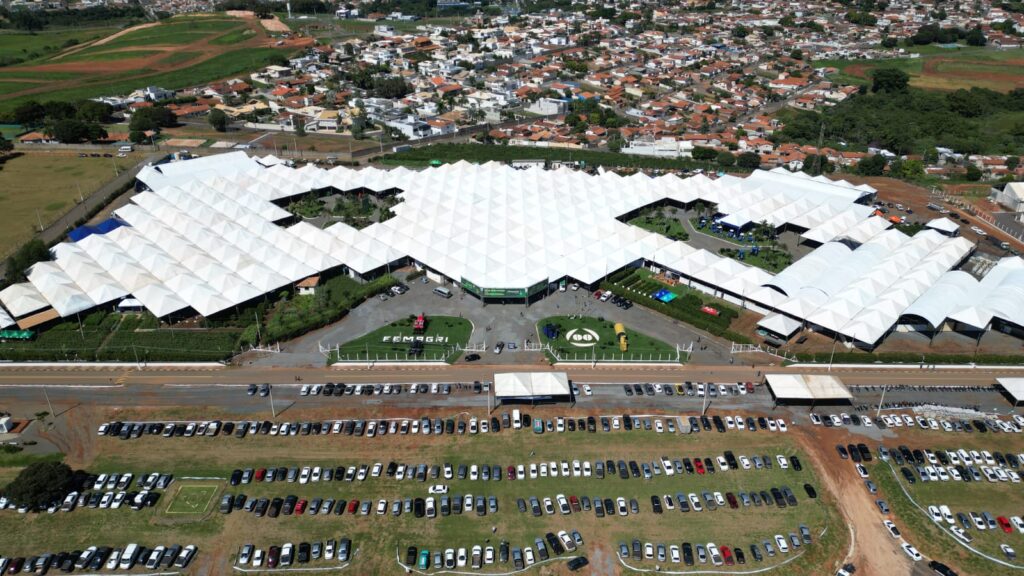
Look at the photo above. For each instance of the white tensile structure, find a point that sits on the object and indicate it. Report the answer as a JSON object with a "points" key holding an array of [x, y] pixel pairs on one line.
{"points": [[207, 236]]}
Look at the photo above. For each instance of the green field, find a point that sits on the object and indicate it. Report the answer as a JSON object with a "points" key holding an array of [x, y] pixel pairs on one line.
{"points": [[174, 32], [377, 537], [29, 46], [47, 184], [453, 331], [940, 68], [605, 347], [106, 56], [192, 498]]}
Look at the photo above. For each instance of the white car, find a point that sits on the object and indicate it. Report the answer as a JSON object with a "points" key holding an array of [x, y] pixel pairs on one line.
{"points": [[782, 425], [438, 489], [815, 419], [911, 551], [862, 471], [836, 420], [461, 558], [781, 544], [893, 530], [936, 516], [947, 514], [673, 553], [783, 463], [961, 534], [745, 462], [659, 427], [587, 390]]}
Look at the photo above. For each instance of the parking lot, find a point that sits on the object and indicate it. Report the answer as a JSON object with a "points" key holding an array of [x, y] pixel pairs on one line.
{"points": [[566, 473]]}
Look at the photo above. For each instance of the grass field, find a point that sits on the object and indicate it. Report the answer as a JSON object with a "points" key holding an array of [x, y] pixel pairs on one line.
{"points": [[192, 498], [943, 68], [583, 331], [453, 331], [999, 499], [198, 50], [48, 184], [34, 45], [377, 537]]}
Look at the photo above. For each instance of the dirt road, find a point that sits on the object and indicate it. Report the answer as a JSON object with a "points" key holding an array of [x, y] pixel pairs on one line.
{"points": [[874, 553]]}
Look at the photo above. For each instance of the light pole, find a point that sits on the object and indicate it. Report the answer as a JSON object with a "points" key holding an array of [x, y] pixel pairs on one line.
{"points": [[881, 401], [48, 405], [272, 410], [835, 341]]}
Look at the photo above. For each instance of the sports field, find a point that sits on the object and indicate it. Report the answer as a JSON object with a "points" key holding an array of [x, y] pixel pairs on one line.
{"points": [[42, 186], [378, 536], [174, 53], [943, 68]]}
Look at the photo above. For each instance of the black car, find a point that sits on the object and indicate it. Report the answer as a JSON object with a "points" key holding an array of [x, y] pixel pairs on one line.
{"points": [[577, 563], [236, 478], [940, 568], [705, 423], [656, 504], [908, 475], [627, 389], [419, 507], [627, 422], [842, 452], [811, 492], [795, 463], [303, 553], [555, 543], [410, 556], [472, 357], [719, 424], [687, 553]]}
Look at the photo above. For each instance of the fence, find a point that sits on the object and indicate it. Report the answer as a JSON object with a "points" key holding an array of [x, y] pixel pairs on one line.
{"points": [[623, 358], [333, 354], [750, 348]]}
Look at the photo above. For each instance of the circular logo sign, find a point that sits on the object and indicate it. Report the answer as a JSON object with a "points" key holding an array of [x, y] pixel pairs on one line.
{"points": [[582, 337]]}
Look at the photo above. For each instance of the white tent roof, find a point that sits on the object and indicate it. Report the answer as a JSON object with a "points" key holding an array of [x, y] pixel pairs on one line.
{"points": [[1013, 386], [807, 387], [943, 224], [530, 384], [780, 324]]}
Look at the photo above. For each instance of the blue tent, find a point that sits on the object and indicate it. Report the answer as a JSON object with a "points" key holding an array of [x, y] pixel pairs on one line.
{"points": [[107, 225]]}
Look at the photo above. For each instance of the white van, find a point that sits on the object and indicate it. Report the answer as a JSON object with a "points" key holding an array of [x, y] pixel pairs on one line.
{"points": [[443, 292], [517, 421], [126, 148], [128, 557]]}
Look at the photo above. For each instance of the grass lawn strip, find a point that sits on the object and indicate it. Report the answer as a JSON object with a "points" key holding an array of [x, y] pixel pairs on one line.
{"points": [[378, 536], [606, 348], [392, 342], [192, 499]]}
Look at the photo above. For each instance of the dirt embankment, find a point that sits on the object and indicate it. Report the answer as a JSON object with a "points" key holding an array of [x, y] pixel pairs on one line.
{"points": [[875, 553]]}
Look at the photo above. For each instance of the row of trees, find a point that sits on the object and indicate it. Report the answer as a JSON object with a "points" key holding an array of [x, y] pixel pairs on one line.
{"points": [[747, 160], [33, 20], [65, 121]]}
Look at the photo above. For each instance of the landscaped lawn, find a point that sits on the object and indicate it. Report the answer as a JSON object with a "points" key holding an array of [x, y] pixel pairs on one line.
{"points": [[596, 338], [662, 221], [443, 339]]}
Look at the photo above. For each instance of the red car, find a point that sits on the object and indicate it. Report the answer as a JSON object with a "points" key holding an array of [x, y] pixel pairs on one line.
{"points": [[1004, 523], [261, 474], [273, 556], [300, 507], [575, 503], [353, 505], [597, 295], [698, 465], [511, 473], [732, 500], [727, 556]]}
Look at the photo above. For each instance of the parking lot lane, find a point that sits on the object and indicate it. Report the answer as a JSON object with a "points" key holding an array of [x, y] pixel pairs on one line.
{"points": [[875, 553]]}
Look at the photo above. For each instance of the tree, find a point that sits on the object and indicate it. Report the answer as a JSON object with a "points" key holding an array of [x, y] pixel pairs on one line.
{"points": [[67, 131], [152, 118], [1012, 162], [218, 119], [137, 136], [725, 159], [889, 42], [796, 54], [92, 111], [702, 153], [30, 113], [26, 255], [41, 484], [976, 37], [889, 80], [873, 165], [300, 127], [973, 173], [750, 160], [740, 31], [5, 145]]}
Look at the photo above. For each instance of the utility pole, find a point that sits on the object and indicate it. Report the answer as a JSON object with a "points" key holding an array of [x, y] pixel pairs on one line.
{"points": [[48, 405], [39, 220], [882, 400], [272, 410], [259, 336]]}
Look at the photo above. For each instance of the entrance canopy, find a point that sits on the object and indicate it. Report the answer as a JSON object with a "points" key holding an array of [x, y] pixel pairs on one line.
{"points": [[807, 387], [531, 384]]}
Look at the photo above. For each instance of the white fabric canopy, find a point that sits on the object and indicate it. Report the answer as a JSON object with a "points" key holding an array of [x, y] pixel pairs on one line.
{"points": [[807, 387], [530, 384]]}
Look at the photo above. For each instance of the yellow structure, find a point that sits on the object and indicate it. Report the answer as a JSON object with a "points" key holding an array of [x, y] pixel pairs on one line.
{"points": [[620, 335]]}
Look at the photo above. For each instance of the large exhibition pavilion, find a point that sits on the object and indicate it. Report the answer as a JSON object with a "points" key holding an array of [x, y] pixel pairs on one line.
{"points": [[207, 235]]}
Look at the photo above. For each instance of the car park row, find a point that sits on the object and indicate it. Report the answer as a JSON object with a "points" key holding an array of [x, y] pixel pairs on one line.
{"points": [[437, 426], [716, 555], [494, 472], [478, 556], [96, 558], [989, 424], [289, 554], [698, 389], [290, 505], [711, 501], [955, 465], [107, 491]]}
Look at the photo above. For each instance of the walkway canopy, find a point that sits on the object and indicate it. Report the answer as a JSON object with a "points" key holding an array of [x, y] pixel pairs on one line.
{"points": [[1013, 388], [531, 386], [807, 388]]}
